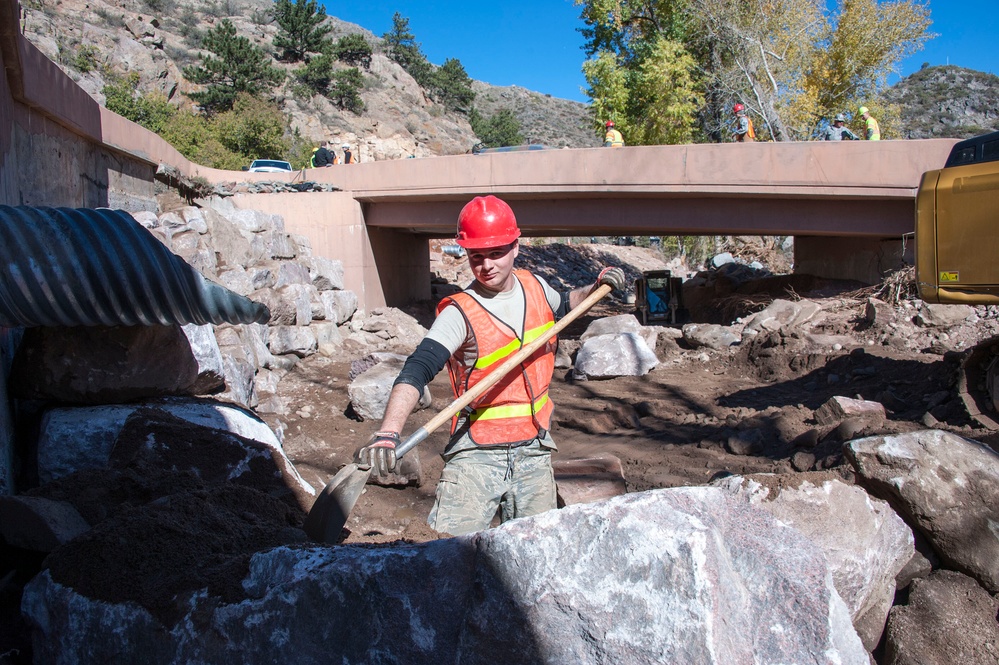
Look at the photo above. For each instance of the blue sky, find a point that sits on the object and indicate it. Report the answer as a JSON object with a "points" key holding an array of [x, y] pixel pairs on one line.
{"points": [[536, 44]]}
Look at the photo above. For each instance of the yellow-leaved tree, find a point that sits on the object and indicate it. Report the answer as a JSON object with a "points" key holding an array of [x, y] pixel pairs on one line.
{"points": [[673, 69]]}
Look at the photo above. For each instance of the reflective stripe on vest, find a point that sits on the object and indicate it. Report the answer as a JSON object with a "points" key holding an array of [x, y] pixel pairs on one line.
{"points": [[504, 352], [517, 409], [510, 411]]}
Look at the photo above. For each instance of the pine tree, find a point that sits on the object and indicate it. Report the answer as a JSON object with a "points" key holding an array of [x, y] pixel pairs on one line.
{"points": [[300, 29], [239, 67], [499, 130], [404, 49], [345, 90], [316, 74], [452, 87], [353, 49]]}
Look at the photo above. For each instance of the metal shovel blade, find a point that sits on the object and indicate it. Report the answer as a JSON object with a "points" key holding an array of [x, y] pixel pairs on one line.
{"points": [[332, 507]]}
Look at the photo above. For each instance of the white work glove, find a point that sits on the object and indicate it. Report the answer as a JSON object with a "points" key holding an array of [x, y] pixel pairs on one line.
{"points": [[379, 452], [614, 277]]}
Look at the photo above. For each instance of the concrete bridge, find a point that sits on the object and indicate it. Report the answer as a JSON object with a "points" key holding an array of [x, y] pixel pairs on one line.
{"points": [[848, 204]]}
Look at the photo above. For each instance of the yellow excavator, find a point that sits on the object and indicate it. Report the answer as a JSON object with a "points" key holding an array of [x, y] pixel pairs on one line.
{"points": [[957, 255]]}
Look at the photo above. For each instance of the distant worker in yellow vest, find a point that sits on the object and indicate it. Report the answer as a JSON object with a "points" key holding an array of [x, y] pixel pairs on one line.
{"points": [[613, 138], [873, 129], [744, 132]]}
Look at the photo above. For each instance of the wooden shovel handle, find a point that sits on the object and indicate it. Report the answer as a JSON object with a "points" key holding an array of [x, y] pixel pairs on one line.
{"points": [[497, 374]]}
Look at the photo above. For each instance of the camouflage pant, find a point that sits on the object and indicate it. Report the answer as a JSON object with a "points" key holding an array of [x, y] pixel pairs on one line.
{"points": [[474, 483]]}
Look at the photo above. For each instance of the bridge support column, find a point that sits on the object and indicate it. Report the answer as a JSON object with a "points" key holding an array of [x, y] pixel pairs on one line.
{"points": [[862, 259], [402, 262]]}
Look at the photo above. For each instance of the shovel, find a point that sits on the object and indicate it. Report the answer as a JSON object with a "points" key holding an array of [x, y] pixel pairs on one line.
{"points": [[332, 507]]}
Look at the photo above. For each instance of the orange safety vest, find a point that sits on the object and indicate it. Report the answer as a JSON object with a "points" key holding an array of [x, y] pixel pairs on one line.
{"points": [[517, 409]]}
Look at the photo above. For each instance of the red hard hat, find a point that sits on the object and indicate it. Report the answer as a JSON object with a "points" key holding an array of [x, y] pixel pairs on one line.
{"points": [[610, 123], [737, 108], [486, 221]]}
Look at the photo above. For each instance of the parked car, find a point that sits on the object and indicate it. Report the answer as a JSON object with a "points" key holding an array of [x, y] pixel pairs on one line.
{"points": [[269, 166]]}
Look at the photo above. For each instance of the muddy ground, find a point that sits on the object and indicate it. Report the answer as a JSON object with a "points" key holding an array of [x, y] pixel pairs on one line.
{"points": [[697, 416]]}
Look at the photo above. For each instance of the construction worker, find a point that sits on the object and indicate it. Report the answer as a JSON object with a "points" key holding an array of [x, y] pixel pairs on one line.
{"points": [[323, 156], [499, 453], [744, 132], [348, 156], [873, 129], [837, 131], [612, 138]]}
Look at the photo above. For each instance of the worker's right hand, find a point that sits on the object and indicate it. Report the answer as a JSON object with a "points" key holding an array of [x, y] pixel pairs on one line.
{"points": [[379, 452]]}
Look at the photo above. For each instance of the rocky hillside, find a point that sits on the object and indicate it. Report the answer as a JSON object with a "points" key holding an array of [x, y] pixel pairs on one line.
{"points": [[93, 40], [947, 102]]}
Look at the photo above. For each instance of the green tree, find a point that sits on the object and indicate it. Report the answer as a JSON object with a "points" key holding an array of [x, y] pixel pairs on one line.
{"points": [[452, 87], [500, 129], [121, 95], [404, 49], [316, 74], [239, 67], [191, 134], [345, 90], [253, 129], [300, 29], [354, 50]]}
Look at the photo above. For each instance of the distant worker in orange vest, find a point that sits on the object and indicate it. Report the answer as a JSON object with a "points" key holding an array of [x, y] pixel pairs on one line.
{"points": [[613, 138], [348, 156], [499, 453], [744, 132]]}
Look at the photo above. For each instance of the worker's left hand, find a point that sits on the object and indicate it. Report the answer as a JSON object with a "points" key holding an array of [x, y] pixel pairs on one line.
{"points": [[614, 277], [379, 453]]}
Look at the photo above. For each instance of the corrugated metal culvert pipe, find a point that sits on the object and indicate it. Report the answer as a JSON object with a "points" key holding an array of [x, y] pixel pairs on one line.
{"points": [[89, 267]]}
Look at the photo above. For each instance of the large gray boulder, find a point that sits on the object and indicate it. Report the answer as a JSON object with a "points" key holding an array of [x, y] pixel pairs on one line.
{"points": [[711, 335], [621, 323], [686, 575], [782, 314], [621, 354], [73, 439], [865, 542], [943, 316], [104, 364], [949, 620], [340, 305], [943, 484], [369, 391], [204, 346]]}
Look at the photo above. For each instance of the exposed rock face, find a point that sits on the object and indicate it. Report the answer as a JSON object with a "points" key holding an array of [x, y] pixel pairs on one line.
{"points": [[687, 572], [947, 102], [948, 619], [944, 485], [399, 119]]}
